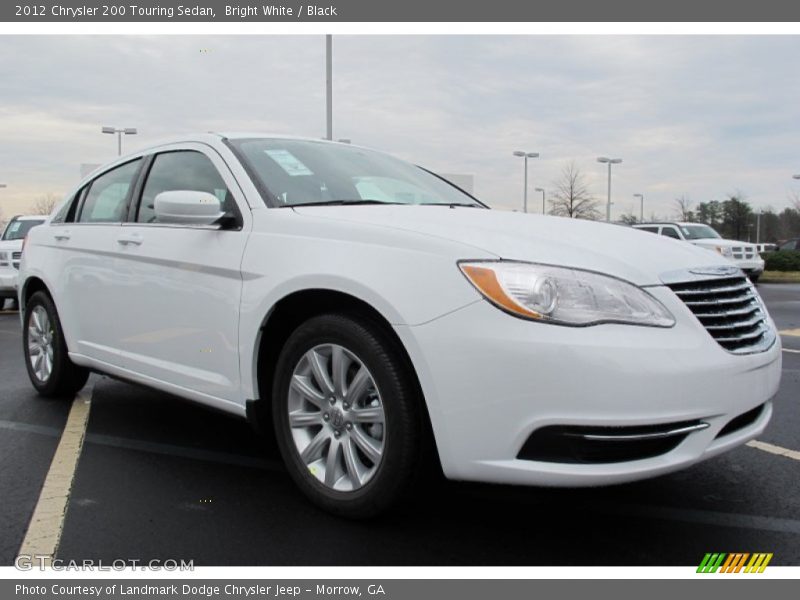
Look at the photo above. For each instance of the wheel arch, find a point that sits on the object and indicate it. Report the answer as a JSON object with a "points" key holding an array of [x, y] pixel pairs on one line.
{"points": [[32, 285], [292, 310]]}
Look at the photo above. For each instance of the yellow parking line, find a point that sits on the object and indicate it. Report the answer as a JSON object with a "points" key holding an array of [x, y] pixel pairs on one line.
{"points": [[772, 449], [47, 522], [793, 332]]}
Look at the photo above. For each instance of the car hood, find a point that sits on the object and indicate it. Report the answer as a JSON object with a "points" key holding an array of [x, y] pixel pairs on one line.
{"points": [[722, 243], [637, 256]]}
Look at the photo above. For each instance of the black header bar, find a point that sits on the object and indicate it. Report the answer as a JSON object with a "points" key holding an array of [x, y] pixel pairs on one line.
{"points": [[464, 11]]}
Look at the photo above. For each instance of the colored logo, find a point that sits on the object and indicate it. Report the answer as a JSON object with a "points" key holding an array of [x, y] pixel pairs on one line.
{"points": [[736, 562]]}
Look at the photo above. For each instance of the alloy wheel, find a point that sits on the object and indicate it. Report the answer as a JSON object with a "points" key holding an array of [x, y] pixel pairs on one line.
{"points": [[336, 417], [40, 343]]}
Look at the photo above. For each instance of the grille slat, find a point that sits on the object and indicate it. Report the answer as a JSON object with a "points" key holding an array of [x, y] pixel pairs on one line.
{"points": [[710, 291], [728, 326], [719, 301], [731, 312]]}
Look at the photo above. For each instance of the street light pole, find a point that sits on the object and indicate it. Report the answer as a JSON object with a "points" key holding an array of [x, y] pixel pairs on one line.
{"points": [[641, 206], [758, 225], [541, 190], [526, 156], [119, 132], [609, 161], [329, 86]]}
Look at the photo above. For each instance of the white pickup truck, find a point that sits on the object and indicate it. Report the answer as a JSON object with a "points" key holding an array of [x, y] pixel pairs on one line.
{"points": [[10, 253], [745, 255]]}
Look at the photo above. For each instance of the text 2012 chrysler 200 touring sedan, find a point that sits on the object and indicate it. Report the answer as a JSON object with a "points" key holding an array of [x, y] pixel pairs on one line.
{"points": [[386, 320]]}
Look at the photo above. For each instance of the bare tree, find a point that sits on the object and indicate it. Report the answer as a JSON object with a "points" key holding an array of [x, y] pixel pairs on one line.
{"points": [[684, 206], [571, 198], [45, 204], [628, 219], [794, 200]]}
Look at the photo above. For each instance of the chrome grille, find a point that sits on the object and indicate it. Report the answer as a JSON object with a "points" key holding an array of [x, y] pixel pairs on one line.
{"points": [[730, 310]]}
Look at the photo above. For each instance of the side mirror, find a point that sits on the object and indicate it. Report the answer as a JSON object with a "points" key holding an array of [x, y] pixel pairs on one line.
{"points": [[186, 207]]}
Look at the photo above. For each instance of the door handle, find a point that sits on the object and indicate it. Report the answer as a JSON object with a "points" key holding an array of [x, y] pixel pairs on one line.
{"points": [[62, 235], [133, 239]]}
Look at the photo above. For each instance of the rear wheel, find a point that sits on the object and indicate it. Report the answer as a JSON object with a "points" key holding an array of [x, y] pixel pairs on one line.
{"points": [[50, 370], [348, 416]]}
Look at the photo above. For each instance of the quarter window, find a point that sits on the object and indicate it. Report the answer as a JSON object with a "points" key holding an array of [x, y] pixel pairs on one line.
{"points": [[182, 170], [106, 201]]}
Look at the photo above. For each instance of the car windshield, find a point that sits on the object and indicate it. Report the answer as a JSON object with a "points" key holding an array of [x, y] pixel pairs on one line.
{"points": [[698, 232], [18, 229], [300, 172]]}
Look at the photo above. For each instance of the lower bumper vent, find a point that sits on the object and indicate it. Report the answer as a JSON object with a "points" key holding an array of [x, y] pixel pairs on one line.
{"points": [[742, 421], [595, 445]]}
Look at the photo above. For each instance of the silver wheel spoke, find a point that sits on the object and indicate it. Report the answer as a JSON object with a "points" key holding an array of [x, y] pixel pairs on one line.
{"points": [[369, 446], [301, 418], [352, 463], [339, 364], [332, 462], [313, 451], [305, 389], [361, 380], [370, 414], [320, 371]]}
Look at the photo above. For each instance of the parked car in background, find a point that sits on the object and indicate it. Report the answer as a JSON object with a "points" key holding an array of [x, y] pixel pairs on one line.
{"points": [[386, 322], [793, 244], [11, 251], [744, 254], [762, 248]]}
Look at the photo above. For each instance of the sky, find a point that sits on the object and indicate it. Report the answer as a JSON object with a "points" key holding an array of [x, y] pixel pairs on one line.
{"points": [[694, 116]]}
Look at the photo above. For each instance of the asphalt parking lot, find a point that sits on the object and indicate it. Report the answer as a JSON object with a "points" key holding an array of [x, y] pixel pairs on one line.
{"points": [[160, 478]]}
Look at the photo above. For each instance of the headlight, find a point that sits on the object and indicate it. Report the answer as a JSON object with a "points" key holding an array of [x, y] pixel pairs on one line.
{"points": [[724, 250], [564, 296], [3, 259]]}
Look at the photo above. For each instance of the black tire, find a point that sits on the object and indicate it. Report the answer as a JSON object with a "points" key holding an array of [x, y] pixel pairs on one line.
{"points": [[406, 445], [65, 378]]}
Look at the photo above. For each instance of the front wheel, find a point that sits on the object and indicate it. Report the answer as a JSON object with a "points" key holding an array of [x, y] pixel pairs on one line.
{"points": [[348, 415], [50, 370]]}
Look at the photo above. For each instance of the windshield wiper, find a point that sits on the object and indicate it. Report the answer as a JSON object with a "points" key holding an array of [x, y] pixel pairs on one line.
{"points": [[451, 204], [344, 202]]}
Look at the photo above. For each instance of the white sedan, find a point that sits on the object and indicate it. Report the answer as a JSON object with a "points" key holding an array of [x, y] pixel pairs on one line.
{"points": [[386, 321]]}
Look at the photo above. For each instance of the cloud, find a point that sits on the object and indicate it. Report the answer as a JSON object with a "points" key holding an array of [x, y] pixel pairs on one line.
{"points": [[693, 115]]}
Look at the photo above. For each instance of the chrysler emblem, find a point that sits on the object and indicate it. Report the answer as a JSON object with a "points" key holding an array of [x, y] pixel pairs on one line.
{"points": [[715, 271]]}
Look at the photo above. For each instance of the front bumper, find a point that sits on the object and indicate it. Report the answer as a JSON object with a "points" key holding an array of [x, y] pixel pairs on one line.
{"points": [[8, 282], [751, 267], [490, 380]]}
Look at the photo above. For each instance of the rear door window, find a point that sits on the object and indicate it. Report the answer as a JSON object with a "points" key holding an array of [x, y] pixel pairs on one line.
{"points": [[107, 198]]}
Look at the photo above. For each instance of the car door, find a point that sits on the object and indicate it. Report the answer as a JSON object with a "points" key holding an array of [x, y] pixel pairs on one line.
{"points": [[79, 245], [178, 287]]}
